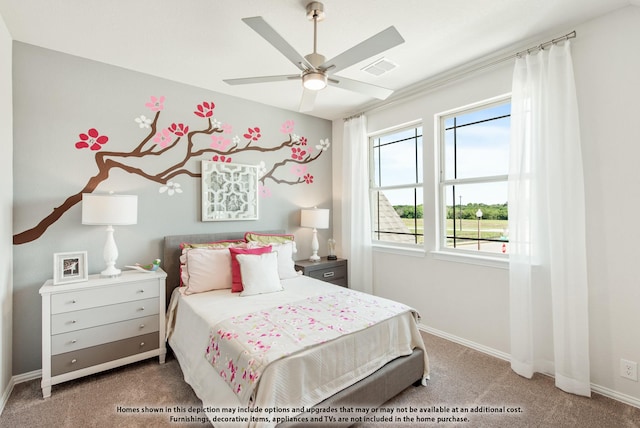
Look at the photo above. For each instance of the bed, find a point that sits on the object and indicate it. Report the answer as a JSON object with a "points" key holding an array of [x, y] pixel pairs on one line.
{"points": [[305, 385]]}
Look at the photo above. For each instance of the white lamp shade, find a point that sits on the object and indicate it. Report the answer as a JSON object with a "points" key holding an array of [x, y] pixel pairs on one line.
{"points": [[314, 218], [109, 209]]}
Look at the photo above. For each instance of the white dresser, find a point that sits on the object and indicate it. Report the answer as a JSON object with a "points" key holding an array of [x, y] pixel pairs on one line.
{"points": [[100, 324]]}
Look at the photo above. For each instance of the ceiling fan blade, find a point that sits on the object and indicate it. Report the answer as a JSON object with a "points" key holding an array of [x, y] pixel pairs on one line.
{"points": [[262, 79], [382, 41], [357, 86], [308, 100], [267, 32]]}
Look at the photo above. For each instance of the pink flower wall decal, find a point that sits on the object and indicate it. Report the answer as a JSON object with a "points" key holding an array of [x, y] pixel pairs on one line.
{"points": [[227, 128], [179, 129], [205, 109], [92, 139], [303, 141], [219, 143], [156, 104], [162, 137], [287, 127], [297, 153], [253, 134], [264, 191], [308, 178], [222, 158], [299, 170]]}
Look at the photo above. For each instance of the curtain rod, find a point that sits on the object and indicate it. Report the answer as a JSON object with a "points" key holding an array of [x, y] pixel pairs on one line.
{"points": [[541, 46], [417, 90]]}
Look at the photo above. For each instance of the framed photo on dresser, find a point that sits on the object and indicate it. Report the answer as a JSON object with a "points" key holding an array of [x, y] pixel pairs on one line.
{"points": [[70, 267]]}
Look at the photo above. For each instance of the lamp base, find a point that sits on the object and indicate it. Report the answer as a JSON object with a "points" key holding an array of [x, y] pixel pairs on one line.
{"points": [[110, 272], [314, 258]]}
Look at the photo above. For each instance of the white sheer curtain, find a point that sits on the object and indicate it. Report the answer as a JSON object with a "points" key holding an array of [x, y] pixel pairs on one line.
{"points": [[356, 220], [548, 272]]}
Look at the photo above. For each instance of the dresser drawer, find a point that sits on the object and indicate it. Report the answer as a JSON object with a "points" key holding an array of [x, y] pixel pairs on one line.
{"points": [[329, 274], [107, 352], [102, 296], [86, 318], [71, 341]]}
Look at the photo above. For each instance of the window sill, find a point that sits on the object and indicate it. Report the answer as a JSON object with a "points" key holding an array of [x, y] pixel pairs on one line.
{"points": [[474, 259], [399, 250]]}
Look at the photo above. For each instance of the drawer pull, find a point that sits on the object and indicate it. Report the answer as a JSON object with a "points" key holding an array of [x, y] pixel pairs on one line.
{"points": [[328, 274], [140, 291], [73, 321], [73, 341], [74, 301], [73, 361], [141, 308], [141, 344], [141, 325]]}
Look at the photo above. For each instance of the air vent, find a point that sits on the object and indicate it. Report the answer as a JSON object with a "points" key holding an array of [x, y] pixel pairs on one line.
{"points": [[380, 67]]}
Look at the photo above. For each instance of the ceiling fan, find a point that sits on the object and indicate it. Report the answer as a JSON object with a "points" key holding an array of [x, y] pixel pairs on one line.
{"points": [[316, 72]]}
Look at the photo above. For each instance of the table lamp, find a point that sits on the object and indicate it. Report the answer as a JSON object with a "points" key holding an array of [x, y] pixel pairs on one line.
{"points": [[317, 219], [109, 210]]}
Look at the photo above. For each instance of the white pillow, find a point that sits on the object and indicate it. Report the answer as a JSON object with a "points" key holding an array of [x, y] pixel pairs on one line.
{"points": [[207, 269], [286, 265], [259, 273]]}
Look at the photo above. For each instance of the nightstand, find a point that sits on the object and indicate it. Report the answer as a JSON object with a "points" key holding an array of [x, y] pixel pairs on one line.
{"points": [[100, 324], [333, 271]]}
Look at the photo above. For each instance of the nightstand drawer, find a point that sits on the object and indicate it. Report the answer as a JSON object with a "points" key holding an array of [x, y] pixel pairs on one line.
{"points": [[102, 296], [329, 274], [84, 358], [78, 320], [66, 342]]}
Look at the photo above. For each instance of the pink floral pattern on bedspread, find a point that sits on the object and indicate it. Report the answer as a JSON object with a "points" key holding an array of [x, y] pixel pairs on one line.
{"points": [[241, 347]]}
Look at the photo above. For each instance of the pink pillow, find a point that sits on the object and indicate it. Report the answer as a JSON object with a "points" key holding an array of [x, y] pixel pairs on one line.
{"points": [[236, 277]]}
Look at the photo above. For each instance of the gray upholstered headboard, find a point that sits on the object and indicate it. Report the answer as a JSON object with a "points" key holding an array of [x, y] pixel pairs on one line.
{"points": [[171, 251]]}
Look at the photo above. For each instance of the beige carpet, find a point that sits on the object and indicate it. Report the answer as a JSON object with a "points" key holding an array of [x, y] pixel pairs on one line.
{"points": [[461, 378]]}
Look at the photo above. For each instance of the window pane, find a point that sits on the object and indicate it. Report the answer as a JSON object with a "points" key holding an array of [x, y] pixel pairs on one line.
{"points": [[484, 114], [398, 215], [477, 149], [483, 149], [397, 163], [465, 230]]}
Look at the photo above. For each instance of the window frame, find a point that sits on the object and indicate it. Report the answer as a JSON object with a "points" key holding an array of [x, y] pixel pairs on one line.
{"points": [[442, 251], [418, 188]]}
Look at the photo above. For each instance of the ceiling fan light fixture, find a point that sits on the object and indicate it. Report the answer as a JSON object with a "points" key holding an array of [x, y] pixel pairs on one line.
{"points": [[314, 80]]}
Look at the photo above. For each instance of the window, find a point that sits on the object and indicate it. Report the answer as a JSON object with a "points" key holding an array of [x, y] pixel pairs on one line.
{"points": [[396, 186], [473, 186]]}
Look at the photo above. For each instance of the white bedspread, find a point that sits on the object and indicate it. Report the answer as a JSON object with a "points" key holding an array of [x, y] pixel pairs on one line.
{"points": [[300, 380]]}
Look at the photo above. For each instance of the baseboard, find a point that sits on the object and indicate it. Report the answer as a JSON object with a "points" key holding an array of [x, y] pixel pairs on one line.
{"points": [[610, 393], [24, 377], [6, 394], [615, 395], [469, 344]]}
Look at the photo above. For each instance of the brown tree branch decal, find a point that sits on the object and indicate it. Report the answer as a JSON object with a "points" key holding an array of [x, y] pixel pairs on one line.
{"points": [[187, 146]]}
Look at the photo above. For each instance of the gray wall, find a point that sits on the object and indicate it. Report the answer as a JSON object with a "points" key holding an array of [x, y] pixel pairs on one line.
{"points": [[6, 192], [57, 97]]}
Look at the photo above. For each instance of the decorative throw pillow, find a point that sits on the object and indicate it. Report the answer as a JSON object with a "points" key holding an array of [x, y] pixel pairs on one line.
{"points": [[206, 269], [286, 265], [236, 275], [259, 273], [216, 244], [270, 238]]}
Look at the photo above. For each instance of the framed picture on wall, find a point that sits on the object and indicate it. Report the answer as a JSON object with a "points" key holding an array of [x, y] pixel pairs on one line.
{"points": [[70, 267], [229, 191]]}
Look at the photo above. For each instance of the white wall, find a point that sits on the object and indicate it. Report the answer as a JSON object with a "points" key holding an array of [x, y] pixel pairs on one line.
{"points": [[471, 302], [6, 196]]}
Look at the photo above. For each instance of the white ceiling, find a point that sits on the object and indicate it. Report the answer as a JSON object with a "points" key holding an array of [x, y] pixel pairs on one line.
{"points": [[201, 42]]}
